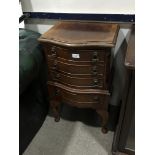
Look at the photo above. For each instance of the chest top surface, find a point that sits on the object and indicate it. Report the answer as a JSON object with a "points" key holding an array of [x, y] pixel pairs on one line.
{"points": [[74, 34]]}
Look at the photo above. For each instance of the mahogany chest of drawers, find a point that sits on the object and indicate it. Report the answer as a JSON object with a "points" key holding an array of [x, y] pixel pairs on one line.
{"points": [[78, 56]]}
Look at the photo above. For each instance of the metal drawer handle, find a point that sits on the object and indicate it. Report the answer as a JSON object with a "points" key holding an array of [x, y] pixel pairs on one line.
{"points": [[57, 92], [54, 54], [94, 73], [95, 54], [95, 81], [58, 75], [54, 65], [96, 98], [94, 68], [95, 85], [53, 48], [94, 60]]}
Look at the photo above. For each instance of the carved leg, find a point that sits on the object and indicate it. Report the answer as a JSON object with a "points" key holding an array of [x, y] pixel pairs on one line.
{"points": [[104, 116], [55, 105], [55, 102]]}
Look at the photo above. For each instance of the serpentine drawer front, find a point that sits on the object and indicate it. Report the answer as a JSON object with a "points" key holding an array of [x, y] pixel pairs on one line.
{"points": [[81, 82], [78, 68], [83, 100], [78, 56]]}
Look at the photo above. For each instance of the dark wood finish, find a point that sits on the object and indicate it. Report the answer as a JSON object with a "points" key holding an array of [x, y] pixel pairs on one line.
{"points": [[78, 56], [128, 102], [54, 102], [76, 34], [78, 82], [76, 69], [85, 55]]}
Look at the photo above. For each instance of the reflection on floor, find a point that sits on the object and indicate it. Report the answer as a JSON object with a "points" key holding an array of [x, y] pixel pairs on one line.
{"points": [[69, 138]]}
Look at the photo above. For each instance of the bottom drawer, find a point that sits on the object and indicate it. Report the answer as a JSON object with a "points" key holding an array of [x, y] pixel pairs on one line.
{"points": [[83, 99]]}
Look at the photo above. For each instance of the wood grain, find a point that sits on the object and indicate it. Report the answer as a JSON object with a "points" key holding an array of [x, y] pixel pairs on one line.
{"points": [[76, 34]]}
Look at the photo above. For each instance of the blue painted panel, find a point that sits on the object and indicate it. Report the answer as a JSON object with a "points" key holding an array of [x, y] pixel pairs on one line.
{"points": [[79, 16]]}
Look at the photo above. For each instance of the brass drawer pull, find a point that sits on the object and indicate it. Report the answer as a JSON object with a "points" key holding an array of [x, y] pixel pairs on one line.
{"points": [[95, 82], [54, 54], [94, 73], [94, 60], [57, 92], [95, 57], [96, 98], [95, 68], [53, 48], [54, 65], [95, 85], [95, 54], [58, 75]]}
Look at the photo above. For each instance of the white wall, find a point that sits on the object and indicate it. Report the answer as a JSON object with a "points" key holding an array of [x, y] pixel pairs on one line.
{"points": [[21, 25], [73, 6], [80, 6]]}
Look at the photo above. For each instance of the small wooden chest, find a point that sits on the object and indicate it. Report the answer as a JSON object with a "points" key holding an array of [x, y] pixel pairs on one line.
{"points": [[78, 56]]}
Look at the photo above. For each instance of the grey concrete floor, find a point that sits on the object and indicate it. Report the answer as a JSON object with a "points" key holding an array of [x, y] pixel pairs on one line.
{"points": [[69, 138]]}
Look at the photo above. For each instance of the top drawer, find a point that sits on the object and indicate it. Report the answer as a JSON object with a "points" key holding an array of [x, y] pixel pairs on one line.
{"points": [[76, 55]]}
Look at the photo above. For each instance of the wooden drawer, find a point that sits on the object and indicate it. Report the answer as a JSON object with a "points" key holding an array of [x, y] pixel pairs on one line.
{"points": [[78, 82], [82, 100], [91, 55], [76, 69]]}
